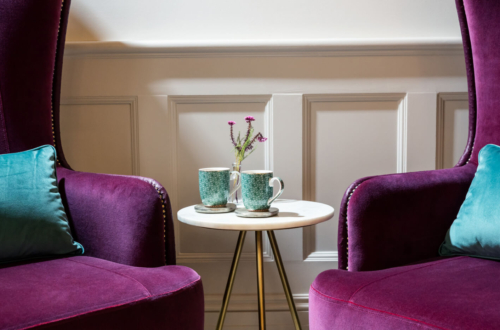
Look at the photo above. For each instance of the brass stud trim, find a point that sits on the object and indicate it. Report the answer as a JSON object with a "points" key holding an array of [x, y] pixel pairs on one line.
{"points": [[53, 76], [347, 224]]}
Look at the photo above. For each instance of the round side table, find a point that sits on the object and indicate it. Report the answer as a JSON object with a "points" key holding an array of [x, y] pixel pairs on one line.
{"points": [[292, 214]]}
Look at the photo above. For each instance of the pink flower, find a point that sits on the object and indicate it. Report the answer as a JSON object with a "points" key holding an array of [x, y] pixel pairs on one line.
{"points": [[249, 119], [231, 123], [261, 139]]}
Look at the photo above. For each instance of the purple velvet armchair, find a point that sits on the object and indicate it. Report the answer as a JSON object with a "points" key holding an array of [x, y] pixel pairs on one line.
{"points": [[124, 223], [391, 226]]}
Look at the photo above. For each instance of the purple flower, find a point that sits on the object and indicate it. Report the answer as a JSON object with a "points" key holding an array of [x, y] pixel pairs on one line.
{"points": [[249, 119], [257, 137], [231, 123]]}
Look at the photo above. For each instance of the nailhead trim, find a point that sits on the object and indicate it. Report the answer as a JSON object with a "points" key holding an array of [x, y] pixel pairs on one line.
{"points": [[52, 90], [470, 73], [164, 214], [347, 224]]}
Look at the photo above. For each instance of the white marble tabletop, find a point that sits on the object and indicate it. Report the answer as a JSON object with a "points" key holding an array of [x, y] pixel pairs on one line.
{"points": [[292, 214]]}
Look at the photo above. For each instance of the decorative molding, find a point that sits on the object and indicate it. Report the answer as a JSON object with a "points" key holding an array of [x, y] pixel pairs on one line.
{"points": [[131, 101], [187, 258], [308, 176], [318, 256], [248, 302], [402, 139], [442, 98], [265, 48]]}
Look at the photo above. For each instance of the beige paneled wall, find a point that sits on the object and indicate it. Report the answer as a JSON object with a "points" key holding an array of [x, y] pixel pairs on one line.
{"points": [[330, 119]]}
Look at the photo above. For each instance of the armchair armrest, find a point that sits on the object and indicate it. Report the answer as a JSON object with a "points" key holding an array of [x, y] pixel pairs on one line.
{"points": [[392, 220], [125, 219]]}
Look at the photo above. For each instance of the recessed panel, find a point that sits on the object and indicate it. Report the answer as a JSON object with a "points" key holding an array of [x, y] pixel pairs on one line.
{"points": [[204, 141], [349, 140], [97, 138], [456, 129]]}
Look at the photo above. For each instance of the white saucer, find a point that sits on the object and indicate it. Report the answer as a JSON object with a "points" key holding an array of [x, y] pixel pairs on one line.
{"points": [[200, 208], [244, 213]]}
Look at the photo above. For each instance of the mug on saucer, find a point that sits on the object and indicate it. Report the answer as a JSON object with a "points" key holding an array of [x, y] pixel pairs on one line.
{"points": [[257, 189], [214, 186]]}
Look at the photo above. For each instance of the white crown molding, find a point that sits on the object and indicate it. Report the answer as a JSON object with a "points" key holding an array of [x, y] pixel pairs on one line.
{"points": [[264, 48], [114, 100]]}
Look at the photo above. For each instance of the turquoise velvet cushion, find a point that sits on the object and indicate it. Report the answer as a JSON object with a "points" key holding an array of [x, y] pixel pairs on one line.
{"points": [[476, 230], [33, 223]]}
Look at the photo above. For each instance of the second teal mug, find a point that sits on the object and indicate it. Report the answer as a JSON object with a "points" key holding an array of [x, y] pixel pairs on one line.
{"points": [[257, 190], [214, 186]]}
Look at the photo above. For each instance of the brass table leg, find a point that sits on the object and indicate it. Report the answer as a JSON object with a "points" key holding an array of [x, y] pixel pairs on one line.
{"points": [[230, 280], [284, 279], [260, 280]]}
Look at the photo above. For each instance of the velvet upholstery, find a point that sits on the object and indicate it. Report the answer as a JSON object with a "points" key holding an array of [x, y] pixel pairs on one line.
{"points": [[454, 293], [483, 21], [124, 222], [30, 79], [118, 218], [397, 219], [27, 64], [391, 226], [90, 293]]}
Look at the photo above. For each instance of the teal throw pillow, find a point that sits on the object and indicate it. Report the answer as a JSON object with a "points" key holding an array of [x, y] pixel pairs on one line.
{"points": [[33, 223], [476, 230]]}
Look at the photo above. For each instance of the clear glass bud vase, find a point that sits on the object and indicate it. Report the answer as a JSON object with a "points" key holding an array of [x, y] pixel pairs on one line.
{"points": [[235, 198]]}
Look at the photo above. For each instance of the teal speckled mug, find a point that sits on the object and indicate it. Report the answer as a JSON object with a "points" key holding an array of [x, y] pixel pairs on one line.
{"points": [[257, 190], [214, 186]]}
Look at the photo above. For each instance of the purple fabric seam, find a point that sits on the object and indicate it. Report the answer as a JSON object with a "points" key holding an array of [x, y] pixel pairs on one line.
{"points": [[378, 311], [114, 272], [113, 306], [397, 274]]}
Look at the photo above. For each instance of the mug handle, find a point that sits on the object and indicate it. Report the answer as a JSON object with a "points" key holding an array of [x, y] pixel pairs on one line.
{"points": [[239, 184], [282, 187]]}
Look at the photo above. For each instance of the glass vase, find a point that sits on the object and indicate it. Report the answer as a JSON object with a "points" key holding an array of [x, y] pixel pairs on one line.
{"points": [[234, 181]]}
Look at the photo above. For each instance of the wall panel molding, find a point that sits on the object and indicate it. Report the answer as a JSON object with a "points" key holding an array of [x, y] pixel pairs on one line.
{"points": [[442, 98], [174, 101], [132, 102], [256, 48], [308, 177]]}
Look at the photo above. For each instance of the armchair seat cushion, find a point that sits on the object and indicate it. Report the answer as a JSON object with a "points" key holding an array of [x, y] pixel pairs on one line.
{"points": [[452, 293], [90, 293]]}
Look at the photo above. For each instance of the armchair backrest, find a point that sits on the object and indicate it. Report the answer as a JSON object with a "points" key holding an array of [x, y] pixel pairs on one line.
{"points": [[480, 25], [32, 35]]}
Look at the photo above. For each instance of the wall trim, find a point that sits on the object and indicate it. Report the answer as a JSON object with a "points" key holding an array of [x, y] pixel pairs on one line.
{"points": [[173, 101], [308, 175], [442, 98], [116, 100], [265, 48], [248, 302]]}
